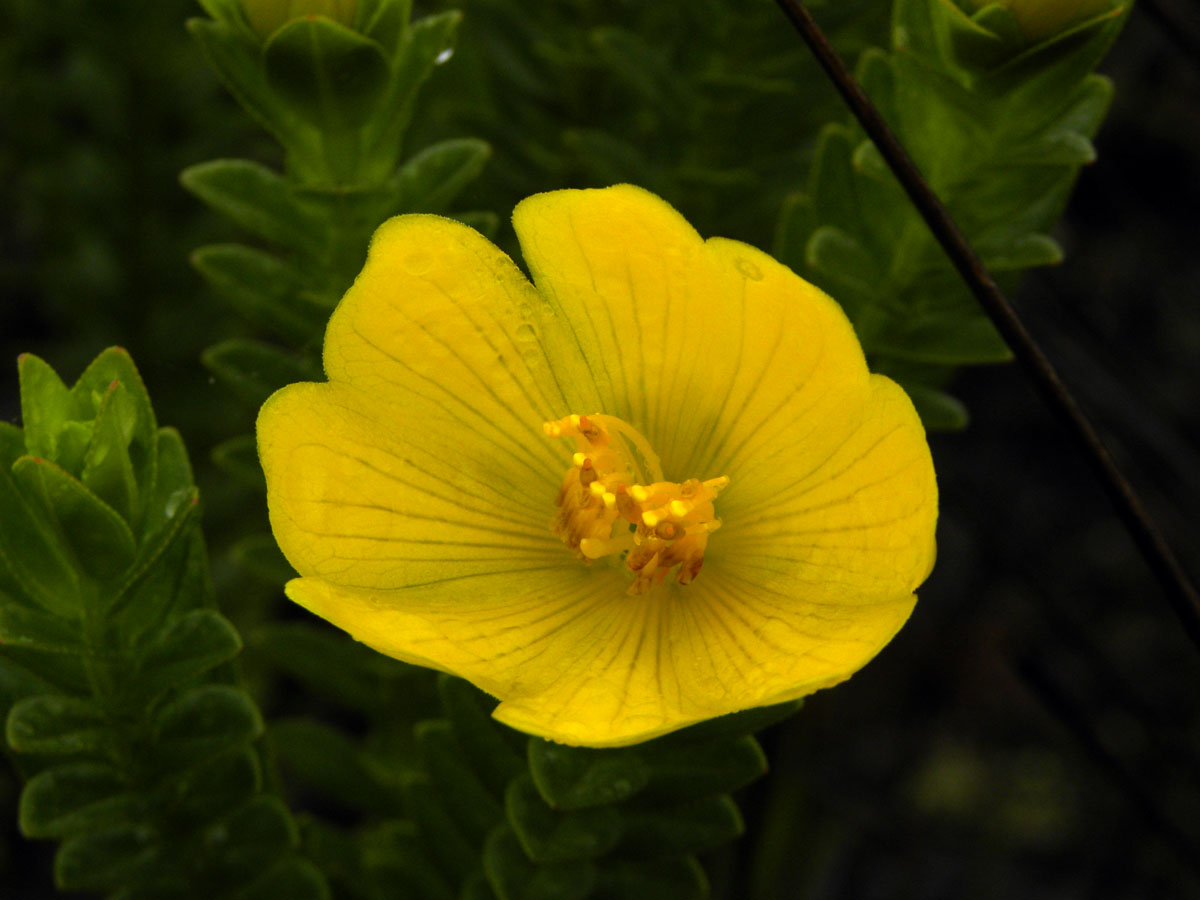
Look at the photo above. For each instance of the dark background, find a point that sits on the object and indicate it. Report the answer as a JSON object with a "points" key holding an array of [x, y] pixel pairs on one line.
{"points": [[1034, 730]]}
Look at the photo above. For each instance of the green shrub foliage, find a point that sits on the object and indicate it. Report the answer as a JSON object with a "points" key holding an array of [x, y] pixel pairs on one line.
{"points": [[124, 717]]}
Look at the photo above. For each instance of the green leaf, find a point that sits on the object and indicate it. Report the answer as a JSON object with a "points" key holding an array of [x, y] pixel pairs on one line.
{"points": [[214, 787], [333, 665], [579, 777], [945, 338], [263, 559], [104, 859], [485, 222], [643, 67], [132, 417], [418, 51], [733, 725], [103, 544], [324, 759], [843, 260], [235, 54], [108, 468], [717, 765], [1026, 252], [46, 406], [76, 797], [607, 158], [294, 879], [383, 21], [267, 291], [688, 827], [18, 681], [672, 878], [490, 746], [983, 40], [251, 838], [202, 723], [56, 724], [327, 73], [33, 564], [548, 836], [254, 370], [189, 646], [513, 877], [173, 489], [797, 220], [464, 795], [159, 577], [430, 181], [30, 627], [938, 410], [394, 858], [449, 847], [256, 198], [238, 457]]}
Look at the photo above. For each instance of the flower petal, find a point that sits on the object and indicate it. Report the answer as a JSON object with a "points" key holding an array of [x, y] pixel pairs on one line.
{"points": [[702, 346], [440, 321], [370, 500], [857, 524], [424, 454], [566, 648]]}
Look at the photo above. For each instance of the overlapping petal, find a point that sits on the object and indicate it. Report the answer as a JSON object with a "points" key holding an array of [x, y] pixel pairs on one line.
{"points": [[413, 492]]}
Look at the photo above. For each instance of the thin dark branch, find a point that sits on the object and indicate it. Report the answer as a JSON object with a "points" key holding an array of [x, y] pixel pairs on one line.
{"points": [[1181, 593]]}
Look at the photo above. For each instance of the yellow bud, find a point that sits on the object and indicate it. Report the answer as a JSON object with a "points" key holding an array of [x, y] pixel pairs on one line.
{"points": [[268, 16], [1040, 19]]}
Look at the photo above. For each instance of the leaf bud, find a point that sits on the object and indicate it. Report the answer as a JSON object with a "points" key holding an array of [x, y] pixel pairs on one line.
{"points": [[268, 16], [1042, 19]]}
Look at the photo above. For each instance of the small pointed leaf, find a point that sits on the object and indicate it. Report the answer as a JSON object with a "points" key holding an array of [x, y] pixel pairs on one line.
{"points": [[513, 877], [254, 370], [264, 289], [191, 645], [327, 73], [205, 722], [238, 457], [102, 860], [578, 777], [57, 724], [548, 836], [429, 182], [75, 797], [102, 542], [256, 198]]}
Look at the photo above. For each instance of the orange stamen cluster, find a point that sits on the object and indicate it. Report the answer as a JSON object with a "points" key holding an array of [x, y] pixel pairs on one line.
{"points": [[616, 484]]}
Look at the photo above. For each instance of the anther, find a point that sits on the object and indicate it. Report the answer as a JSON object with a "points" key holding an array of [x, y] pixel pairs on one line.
{"points": [[587, 474]]}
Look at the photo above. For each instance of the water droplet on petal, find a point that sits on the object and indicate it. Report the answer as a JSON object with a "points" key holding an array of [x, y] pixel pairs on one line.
{"points": [[749, 269]]}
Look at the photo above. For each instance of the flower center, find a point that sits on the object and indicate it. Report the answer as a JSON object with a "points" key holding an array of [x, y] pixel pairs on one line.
{"points": [[616, 483]]}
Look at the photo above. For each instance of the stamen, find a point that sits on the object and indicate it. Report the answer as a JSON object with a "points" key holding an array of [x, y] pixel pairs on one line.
{"points": [[616, 483]]}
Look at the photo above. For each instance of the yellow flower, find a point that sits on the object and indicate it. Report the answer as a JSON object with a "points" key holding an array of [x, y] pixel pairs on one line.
{"points": [[520, 484]]}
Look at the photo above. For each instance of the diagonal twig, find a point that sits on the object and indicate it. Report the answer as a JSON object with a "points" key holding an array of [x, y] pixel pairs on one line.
{"points": [[1180, 591]]}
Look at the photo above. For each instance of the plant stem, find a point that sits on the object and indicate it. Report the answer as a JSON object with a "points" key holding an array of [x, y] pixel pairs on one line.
{"points": [[1180, 591]]}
